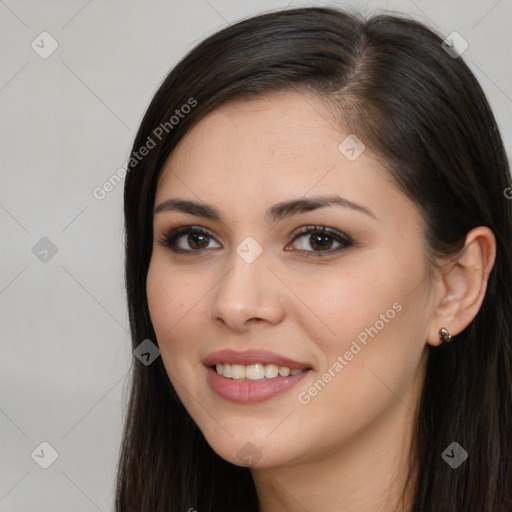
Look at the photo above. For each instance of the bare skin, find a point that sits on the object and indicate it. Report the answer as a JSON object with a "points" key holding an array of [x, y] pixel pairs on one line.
{"points": [[345, 447]]}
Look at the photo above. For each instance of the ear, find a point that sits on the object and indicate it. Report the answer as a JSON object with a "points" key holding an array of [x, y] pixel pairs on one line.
{"points": [[462, 285]]}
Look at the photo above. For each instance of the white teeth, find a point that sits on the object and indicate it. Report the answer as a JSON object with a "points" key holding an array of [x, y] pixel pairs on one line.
{"points": [[237, 371], [256, 371], [284, 371], [271, 371]]}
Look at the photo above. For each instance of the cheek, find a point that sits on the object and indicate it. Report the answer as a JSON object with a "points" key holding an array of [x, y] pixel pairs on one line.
{"points": [[172, 292], [170, 299], [376, 315], [348, 301], [163, 302]]}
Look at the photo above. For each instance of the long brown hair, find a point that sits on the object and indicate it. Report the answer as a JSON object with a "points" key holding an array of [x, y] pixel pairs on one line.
{"points": [[423, 113]]}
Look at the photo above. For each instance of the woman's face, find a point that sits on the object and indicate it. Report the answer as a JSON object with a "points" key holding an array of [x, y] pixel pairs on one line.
{"points": [[350, 305]]}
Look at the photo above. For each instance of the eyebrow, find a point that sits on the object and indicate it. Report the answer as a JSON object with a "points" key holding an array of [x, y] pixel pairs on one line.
{"points": [[276, 213]]}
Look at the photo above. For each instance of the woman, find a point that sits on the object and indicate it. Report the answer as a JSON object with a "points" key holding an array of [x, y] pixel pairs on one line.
{"points": [[318, 241]]}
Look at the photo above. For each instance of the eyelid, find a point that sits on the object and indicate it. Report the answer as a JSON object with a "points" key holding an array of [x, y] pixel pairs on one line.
{"points": [[340, 237], [316, 228], [168, 238]]}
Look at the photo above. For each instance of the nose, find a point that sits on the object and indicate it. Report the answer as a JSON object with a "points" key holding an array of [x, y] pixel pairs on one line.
{"points": [[248, 294]]}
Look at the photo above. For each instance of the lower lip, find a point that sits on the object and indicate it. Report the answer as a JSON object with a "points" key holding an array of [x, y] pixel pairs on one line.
{"points": [[252, 391]]}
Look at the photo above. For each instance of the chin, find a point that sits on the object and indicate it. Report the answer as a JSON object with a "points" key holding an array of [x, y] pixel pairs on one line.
{"points": [[249, 449]]}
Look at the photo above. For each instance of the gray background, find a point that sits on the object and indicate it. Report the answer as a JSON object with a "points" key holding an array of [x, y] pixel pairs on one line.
{"points": [[67, 124]]}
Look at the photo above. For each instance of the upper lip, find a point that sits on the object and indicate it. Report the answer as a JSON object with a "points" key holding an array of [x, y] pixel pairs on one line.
{"points": [[252, 356]]}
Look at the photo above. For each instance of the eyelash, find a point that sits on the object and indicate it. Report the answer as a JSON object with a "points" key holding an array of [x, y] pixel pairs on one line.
{"points": [[169, 239]]}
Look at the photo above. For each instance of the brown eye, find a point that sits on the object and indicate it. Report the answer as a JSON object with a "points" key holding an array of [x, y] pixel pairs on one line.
{"points": [[197, 240], [318, 240], [188, 239]]}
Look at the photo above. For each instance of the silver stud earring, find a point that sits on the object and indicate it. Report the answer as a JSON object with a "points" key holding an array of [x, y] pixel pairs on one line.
{"points": [[444, 335]]}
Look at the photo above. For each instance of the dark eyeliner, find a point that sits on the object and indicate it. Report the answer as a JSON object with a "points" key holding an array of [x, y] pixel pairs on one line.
{"points": [[169, 239], [340, 237]]}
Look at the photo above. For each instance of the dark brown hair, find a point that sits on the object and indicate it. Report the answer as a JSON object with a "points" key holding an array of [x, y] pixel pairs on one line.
{"points": [[424, 115]]}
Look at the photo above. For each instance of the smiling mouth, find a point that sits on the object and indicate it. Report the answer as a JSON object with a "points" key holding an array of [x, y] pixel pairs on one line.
{"points": [[255, 372]]}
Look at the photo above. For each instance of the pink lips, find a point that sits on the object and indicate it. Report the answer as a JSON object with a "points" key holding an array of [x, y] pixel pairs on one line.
{"points": [[252, 356], [247, 391]]}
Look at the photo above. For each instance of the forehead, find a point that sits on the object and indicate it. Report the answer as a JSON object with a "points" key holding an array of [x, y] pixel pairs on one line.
{"points": [[278, 125], [251, 153]]}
